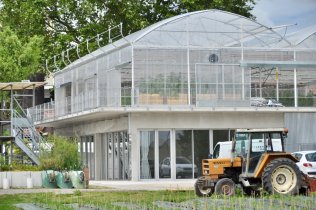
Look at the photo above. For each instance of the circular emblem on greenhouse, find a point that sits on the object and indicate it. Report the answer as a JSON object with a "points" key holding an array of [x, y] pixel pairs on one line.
{"points": [[213, 58]]}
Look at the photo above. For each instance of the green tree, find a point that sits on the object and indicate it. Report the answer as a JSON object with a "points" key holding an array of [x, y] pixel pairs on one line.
{"points": [[18, 58]]}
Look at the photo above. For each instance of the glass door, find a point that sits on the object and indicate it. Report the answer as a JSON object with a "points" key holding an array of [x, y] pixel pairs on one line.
{"points": [[164, 154]]}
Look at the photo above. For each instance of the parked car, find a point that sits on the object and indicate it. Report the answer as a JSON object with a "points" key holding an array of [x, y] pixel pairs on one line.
{"points": [[257, 101], [184, 168], [274, 103], [307, 162], [262, 102]]}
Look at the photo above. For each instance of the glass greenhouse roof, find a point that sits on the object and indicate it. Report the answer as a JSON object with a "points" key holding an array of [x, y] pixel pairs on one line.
{"points": [[206, 29], [304, 38]]}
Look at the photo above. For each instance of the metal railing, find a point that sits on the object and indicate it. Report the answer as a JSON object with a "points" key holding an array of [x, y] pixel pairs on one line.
{"points": [[203, 97], [26, 135]]}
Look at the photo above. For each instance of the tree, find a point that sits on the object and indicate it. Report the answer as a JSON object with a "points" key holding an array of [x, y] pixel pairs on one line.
{"points": [[18, 59]]}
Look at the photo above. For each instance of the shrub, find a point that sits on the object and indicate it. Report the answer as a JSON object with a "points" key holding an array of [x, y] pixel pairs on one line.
{"points": [[63, 156]]}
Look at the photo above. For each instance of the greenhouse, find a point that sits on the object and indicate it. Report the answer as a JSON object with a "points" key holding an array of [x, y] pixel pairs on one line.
{"points": [[192, 60], [194, 76]]}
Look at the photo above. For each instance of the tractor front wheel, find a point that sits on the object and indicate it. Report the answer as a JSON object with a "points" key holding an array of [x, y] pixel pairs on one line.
{"points": [[281, 176], [225, 187], [201, 190]]}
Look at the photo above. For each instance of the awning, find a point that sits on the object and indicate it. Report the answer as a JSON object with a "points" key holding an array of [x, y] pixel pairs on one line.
{"points": [[21, 85]]}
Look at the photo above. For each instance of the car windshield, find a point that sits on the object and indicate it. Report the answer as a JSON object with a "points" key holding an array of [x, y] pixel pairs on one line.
{"points": [[311, 157], [182, 160]]}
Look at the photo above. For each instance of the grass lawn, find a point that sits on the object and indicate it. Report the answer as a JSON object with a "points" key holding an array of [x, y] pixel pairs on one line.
{"points": [[156, 200]]}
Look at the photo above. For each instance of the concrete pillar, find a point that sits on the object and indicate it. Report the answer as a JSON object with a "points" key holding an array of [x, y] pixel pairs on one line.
{"points": [[135, 154], [98, 156], [211, 141]]}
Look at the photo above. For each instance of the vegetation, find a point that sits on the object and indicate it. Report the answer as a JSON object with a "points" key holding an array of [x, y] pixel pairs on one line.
{"points": [[177, 199], [287, 99], [63, 156], [20, 161], [18, 59]]}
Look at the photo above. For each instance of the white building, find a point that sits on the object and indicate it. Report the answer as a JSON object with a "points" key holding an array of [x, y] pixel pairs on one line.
{"points": [[153, 104]]}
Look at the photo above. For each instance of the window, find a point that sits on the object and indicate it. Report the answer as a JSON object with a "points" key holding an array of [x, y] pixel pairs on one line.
{"points": [[216, 151], [164, 154], [147, 154], [298, 156], [311, 157]]}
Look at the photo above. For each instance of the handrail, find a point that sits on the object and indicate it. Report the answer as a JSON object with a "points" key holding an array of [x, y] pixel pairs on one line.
{"points": [[37, 140], [34, 132]]}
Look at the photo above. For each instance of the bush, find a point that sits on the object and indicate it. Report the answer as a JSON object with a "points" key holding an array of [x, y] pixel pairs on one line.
{"points": [[63, 156], [22, 167]]}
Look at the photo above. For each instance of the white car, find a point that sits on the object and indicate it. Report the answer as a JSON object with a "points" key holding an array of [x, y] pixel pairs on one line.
{"points": [[307, 162]]}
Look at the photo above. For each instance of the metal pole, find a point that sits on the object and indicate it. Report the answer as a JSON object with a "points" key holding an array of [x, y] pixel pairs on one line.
{"points": [[133, 82], [11, 111], [295, 83], [277, 83], [188, 62], [260, 85], [33, 95], [242, 69], [11, 152]]}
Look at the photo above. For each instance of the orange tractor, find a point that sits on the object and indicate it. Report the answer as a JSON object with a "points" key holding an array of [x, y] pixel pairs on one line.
{"points": [[258, 161]]}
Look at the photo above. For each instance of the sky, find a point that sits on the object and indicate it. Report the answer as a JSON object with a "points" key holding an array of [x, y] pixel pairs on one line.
{"points": [[283, 12]]}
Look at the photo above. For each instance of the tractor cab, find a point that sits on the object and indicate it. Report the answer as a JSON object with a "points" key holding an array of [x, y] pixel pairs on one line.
{"points": [[253, 146]]}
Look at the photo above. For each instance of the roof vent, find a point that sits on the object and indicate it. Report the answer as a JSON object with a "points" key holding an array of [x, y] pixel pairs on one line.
{"points": [[213, 58]]}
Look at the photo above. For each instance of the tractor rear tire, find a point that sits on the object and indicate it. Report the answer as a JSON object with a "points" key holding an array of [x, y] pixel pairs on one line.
{"points": [[282, 176], [225, 187], [201, 190]]}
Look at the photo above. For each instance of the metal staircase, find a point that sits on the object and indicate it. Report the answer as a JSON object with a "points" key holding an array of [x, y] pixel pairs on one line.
{"points": [[16, 127], [26, 137]]}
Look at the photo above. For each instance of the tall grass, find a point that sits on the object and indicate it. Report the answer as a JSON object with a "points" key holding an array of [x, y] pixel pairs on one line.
{"points": [[175, 199]]}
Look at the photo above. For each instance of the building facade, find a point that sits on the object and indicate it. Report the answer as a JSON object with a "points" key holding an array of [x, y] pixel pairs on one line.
{"points": [[153, 104]]}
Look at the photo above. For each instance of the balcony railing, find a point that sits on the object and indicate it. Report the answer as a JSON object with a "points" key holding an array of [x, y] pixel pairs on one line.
{"points": [[167, 97]]}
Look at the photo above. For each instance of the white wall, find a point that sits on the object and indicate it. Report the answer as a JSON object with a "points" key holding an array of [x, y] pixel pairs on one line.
{"points": [[91, 128], [18, 179]]}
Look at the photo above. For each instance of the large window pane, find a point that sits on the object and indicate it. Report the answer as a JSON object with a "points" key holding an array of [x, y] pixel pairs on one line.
{"points": [[201, 149], [147, 154], [92, 157], [184, 166], [164, 154], [87, 153], [110, 156]]}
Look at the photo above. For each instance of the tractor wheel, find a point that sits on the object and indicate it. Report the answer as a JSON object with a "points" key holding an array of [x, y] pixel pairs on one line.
{"points": [[201, 190], [225, 186], [281, 176]]}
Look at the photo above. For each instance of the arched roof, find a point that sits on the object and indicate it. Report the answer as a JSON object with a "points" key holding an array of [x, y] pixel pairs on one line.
{"points": [[207, 28], [305, 37]]}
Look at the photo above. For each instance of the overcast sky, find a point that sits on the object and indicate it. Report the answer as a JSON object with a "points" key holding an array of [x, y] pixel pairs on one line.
{"points": [[280, 12]]}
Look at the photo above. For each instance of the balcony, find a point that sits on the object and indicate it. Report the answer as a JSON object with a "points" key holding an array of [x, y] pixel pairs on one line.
{"points": [[169, 99]]}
